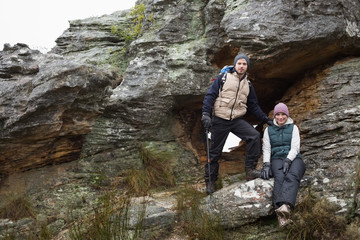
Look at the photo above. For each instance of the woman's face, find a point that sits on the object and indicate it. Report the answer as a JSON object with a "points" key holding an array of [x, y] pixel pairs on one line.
{"points": [[281, 118]]}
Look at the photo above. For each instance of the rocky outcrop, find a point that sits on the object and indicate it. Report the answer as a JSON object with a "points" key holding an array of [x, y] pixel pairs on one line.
{"points": [[236, 205], [86, 101], [48, 105], [326, 105], [241, 203]]}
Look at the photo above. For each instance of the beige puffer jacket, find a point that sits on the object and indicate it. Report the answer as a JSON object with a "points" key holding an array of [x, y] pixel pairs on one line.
{"points": [[231, 102]]}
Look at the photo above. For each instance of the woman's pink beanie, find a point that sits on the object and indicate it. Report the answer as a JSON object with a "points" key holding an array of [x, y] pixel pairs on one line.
{"points": [[281, 107]]}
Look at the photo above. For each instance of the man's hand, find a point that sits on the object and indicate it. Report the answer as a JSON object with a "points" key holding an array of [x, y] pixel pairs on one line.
{"points": [[206, 120], [270, 122], [266, 171]]}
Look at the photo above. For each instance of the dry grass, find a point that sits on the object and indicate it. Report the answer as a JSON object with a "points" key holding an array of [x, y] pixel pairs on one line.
{"points": [[196, 223], [18, 207], [110, 220], [317, 218], [156, 173], [111, 216]]}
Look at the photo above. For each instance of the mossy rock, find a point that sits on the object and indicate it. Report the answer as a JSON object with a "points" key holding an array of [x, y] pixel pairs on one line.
{"points": [[182, 161]]}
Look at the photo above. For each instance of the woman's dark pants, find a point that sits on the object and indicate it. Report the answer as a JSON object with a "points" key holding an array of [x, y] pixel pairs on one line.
{"points": [[286, 186]]}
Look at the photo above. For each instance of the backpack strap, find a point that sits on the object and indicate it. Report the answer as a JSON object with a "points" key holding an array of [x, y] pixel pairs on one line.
{"points": [[223, 80]]}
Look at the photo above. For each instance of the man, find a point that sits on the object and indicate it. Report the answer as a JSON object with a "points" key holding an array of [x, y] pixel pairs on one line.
{"points": [[229, 98]]}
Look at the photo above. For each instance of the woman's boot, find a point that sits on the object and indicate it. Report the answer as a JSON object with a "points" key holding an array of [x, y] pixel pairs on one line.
{"points": [[283, 215]]}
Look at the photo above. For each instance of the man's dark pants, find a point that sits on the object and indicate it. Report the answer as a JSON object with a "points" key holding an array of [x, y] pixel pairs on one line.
{"points": [[219, 133]]}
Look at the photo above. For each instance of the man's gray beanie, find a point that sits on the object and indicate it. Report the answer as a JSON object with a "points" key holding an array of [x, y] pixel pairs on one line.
{"points": [[244, 56]]}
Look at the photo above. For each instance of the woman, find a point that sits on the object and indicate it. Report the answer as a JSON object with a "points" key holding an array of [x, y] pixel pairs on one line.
{"points": [[282, 160]]}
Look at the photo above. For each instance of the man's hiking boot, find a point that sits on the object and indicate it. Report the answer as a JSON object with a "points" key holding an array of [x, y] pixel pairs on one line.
{"points": [[210, 187], [252, 174]]}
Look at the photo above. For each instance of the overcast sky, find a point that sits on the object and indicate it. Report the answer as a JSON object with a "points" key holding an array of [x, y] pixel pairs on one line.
{"points": [[38, 23]]}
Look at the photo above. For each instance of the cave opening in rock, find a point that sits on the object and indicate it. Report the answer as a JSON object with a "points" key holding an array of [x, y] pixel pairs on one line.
{"points": [[191, 134]]}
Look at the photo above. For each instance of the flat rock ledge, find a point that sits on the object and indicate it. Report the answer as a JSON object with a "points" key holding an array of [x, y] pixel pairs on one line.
{"points": [[236, 205]]}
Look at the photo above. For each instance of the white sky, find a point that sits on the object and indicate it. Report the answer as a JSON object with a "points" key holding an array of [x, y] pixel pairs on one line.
{"points": [[231, 141], [38, 23]]}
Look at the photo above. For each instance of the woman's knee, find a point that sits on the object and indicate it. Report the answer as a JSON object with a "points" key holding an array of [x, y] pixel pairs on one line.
{"points": [[298, 167], [296, 171]]}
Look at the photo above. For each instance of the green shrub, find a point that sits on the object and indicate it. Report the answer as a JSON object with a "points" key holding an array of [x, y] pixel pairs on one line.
{"points": [[136, 18], [132, 29]]}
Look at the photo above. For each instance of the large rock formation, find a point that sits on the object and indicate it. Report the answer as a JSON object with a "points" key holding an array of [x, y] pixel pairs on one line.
{"points": [[326, 106], [48, 105], [86, 101]]}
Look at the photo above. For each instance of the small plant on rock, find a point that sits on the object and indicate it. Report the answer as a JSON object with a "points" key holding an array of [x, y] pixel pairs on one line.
{"points": [[136, 18]]}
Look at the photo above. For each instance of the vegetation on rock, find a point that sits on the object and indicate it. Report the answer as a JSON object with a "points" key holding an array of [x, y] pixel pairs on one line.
{"points": [[316, 217], [136, 18]]}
